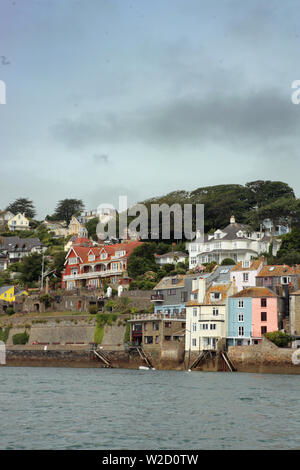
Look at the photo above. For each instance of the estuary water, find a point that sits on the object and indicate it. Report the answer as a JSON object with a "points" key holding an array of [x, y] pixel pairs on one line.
{"points": [[69, 408]]}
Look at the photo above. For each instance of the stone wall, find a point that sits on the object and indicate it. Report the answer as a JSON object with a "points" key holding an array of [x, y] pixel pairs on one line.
{"points": [[265, 357]]}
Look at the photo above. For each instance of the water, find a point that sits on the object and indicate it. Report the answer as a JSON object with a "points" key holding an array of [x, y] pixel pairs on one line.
{"points": [[66, 408]]}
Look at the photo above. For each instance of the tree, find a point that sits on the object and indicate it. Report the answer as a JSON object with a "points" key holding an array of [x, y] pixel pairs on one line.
{"points": [[68, 207], [228, 262], [23, 206], [142, 260], [91, 226], [30, 268], [58, 265], [279, 338]]}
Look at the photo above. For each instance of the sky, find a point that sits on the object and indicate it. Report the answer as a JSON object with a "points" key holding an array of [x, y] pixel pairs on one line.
{"points": [[140, 98]]}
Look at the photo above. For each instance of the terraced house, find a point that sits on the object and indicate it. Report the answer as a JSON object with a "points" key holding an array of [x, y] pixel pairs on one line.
{"points": [[92, 266], [172, 294], [206, 315], [252, 312]]}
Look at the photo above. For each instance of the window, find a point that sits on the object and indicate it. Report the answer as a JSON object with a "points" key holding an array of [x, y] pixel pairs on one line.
{"points": [[245, 277], [91, 257], [285, 280], [241, 331], [241, 317], [168, 338], [72, 260], [194, 311], [215, 311], [263, 330], [194, 326], [263, 302], [205, 326], [172, 291], [156, 339], [213, 326], [215, 296], [184, 296], [103, 256], [148, 339], [155, 326], [241, 304], [194, 342], [167, 324], [263, 316], [114, 266]]}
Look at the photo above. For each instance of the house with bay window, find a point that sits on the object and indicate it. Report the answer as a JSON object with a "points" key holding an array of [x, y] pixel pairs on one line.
{"points": [[171, 294], [91, 267], [236, 241]]}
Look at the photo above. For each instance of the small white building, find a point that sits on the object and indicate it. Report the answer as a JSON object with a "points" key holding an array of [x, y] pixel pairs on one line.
{"points": [[173, 257]]}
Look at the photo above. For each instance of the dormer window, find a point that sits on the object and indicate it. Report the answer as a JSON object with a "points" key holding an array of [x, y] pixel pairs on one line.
{"points": [[215, 296], [91, 257], [72, 260], [246, 264], [285, 280], [103, 256]]}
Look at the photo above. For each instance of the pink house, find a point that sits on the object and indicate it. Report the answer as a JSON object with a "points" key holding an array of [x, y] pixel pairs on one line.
{"points": [[245, 272], [265, 310]]}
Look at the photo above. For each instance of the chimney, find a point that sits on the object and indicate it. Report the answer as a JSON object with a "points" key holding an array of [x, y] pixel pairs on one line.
{"points": [[232, 219], [201, 289]]}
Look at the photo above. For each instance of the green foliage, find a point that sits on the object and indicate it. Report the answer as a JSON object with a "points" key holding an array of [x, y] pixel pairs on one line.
{"points": [[4, 334], [20, 338], [93, 309], [289, 252], [22, 205], [66, 208], [110, 305], [103, 319], [10, 310], [46, 299], [142, 260], [279, 338], [127, 333], [227, 262], [91, 226], [30, 268]]}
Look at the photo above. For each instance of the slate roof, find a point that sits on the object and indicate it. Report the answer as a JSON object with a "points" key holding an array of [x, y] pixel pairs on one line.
{"points": [[17, 243], [276, 270]]}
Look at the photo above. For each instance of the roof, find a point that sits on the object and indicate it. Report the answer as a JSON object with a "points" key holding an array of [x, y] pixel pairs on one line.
{"points": [[276, 270], [218, 288], [11, 243], [255, 292], [4, 289], [167, 282], [253, 266], [172, 254], [83, 252]]}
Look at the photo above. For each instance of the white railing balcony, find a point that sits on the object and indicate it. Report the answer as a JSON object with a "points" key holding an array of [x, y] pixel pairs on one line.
{"points": [[91, 275]]}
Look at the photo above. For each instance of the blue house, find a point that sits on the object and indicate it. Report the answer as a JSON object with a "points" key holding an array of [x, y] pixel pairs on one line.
{"points": [[239, 321]]}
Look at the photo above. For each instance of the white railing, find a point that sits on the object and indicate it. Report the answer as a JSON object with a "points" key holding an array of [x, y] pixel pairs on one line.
{"points": [[91, 275]]}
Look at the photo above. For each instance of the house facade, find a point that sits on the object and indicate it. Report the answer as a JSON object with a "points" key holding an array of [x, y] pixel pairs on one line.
{"points": [[236, 241], [15, 248], [18, 222], [173, 257], [91, 267], [252, 312], [172, 294], [206, 315], [244, 273], [155, 332], [76, 227]]}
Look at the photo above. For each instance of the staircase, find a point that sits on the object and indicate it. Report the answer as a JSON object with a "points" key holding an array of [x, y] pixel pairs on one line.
{"points": [[228, 362], [103, 358], [144, 357]]}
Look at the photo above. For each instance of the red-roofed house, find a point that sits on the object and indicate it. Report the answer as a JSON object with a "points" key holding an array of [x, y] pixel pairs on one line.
{"points": [[92, 266]]}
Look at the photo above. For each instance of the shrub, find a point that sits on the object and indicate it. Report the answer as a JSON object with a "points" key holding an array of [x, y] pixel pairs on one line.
{"points": [[4, 334], [21, 338], [279, 338], [93, 309], [46, 299], [228, 262], [127, 333], [10, 311]]}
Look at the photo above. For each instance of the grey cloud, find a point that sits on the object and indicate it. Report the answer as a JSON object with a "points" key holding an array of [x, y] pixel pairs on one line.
{"points": [[252, 118]]}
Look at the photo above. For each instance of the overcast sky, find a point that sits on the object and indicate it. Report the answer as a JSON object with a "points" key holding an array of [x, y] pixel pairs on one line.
{"points": [[140, 97]]}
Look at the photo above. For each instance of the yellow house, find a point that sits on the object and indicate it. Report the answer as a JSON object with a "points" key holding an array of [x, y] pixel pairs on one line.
{"points": [[18, 222], [77, 228], [10, 293]]}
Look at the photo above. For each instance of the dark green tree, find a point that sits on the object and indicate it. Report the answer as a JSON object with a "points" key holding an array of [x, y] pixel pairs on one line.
{"points": [[30, 268], [22, 205], [91, 226], [142, 260], [68, 207]]}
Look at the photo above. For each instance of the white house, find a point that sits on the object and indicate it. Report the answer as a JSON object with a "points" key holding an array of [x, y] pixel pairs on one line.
{"points": [[206, 314], [236, 241], [173, 257], [18, 222]]}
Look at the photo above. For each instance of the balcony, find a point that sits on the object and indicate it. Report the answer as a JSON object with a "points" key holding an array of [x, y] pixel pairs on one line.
{"points": [[91, 275], [157, 298]]}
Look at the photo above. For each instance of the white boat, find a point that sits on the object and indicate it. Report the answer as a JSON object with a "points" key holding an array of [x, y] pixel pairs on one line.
{"points": [[146, 368]]}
